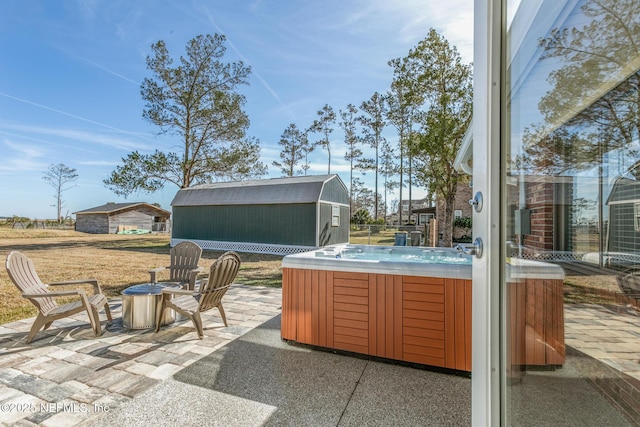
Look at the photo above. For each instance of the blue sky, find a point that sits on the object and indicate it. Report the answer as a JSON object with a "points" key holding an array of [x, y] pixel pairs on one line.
{"points": [[71, 71]]}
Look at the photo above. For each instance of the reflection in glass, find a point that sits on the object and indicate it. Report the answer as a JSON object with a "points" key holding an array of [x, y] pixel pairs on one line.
{"points": [[571, 191]]}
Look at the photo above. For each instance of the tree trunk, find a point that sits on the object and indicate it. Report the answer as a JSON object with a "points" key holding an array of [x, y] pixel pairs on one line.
{"points": [[59, 204], [447, 232]]}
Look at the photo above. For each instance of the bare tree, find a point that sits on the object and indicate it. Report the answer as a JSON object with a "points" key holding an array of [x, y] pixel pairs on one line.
{"points": [[60, 177]]}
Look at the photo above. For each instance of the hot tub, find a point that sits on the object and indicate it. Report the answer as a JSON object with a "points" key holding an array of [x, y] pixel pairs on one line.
{"points": [[413, 304], [404, 303], [406, 260]]}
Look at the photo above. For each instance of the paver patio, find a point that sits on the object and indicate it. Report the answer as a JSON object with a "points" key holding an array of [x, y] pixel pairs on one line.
{"points": [[67, 376]]}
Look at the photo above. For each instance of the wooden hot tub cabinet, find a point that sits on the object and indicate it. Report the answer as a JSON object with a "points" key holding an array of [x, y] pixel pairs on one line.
{"points": [[425, 320], [537, 322]]}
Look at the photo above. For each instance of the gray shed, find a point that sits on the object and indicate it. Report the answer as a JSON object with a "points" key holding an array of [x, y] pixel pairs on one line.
{"points": [[624, 213], [120, 217], [277, 216]]}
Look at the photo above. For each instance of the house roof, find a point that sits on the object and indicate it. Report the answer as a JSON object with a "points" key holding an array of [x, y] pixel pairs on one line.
{"points": [[110, 208], [431, 209], [301, 189]]}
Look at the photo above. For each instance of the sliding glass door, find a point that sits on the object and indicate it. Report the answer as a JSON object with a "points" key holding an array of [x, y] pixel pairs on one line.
{"points": [[561, 279]]}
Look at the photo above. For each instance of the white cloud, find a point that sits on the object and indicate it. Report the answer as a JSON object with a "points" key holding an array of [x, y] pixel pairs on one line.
{"points": [[27, 151], [413, 18], [85, 137], [21, 157], [45, 107]]}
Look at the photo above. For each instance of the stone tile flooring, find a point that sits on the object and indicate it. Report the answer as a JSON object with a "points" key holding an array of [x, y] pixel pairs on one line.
{"points": [[608, 334], [67, 376]]}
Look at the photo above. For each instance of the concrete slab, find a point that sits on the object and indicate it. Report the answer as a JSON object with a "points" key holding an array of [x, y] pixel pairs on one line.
{"points": [[390, 395], [260, 380]]}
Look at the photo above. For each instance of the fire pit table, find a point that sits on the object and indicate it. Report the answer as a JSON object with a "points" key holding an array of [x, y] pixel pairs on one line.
{"points": [[139, 305]]}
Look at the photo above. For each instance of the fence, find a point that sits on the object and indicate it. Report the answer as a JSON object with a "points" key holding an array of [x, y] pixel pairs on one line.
{"points": [[376, 234], [42, 224]]}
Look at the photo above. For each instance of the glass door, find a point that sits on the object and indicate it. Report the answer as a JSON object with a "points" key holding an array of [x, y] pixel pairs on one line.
{"points": [[569, 213]]}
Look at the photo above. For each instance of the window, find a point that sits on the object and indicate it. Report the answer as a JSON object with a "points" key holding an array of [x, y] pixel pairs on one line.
{"points": [[457, 213], [425, 218], [335, 216], [636, 215]]}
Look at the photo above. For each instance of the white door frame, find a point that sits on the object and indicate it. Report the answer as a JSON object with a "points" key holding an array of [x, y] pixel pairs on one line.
{"points": [[486, 369]]}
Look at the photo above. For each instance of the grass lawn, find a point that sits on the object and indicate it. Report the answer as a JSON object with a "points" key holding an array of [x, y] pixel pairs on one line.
{"points": [[117, 261], [365, 237]]}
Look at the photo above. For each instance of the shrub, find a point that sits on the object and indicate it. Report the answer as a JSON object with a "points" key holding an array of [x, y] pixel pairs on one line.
{"points": [[362, 216], [465, 223]]}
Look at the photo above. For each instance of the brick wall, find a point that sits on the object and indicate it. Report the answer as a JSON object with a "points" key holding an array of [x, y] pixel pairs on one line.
{"points": [[540, 200]]}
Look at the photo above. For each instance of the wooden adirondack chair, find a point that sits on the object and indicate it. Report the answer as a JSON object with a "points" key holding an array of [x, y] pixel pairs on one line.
{"points": [[183, 264], [209, 295], [23, 274]]}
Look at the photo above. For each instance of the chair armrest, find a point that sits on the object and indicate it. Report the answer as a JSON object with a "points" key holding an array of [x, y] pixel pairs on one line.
{"points": [[73, 282], [193, 275], [55, 294], [154, 271], [198, 269], [94, 282]]}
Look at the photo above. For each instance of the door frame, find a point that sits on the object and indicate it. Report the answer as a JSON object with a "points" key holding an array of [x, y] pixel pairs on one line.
{"points": [[486, 379]]}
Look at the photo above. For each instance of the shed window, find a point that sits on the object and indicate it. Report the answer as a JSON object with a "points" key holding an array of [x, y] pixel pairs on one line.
{"points": [[335, 216]]}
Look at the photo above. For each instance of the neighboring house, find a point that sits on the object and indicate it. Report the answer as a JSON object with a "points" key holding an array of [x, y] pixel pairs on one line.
{"points": [[409, 215], [409, 210], [112, 218], [278, 216], [423, 215]]}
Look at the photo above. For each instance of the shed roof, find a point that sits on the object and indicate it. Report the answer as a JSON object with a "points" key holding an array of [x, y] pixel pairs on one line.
{"points": [[110, 208], [624, 190], [301, 189]]}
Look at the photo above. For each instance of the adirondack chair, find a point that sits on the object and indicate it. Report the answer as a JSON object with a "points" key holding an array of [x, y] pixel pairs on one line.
{"points": [[209, 294], [183, 265], [23, 274]]}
